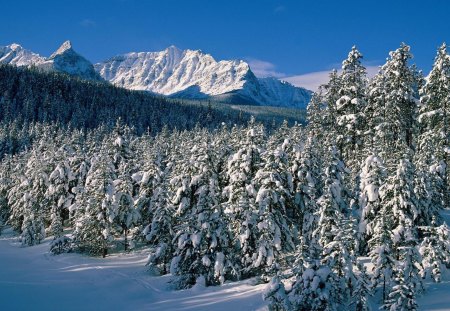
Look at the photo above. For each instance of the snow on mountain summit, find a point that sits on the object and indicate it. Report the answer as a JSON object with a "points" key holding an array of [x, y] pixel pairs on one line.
{"points": [[173, 70], [65, 47], [15, 54], [194, 74], [65, 59]]}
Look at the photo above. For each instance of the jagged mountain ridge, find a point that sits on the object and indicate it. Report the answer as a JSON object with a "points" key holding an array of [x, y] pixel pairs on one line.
{"points": [[65, 59], [196, 75], [172, 72]]}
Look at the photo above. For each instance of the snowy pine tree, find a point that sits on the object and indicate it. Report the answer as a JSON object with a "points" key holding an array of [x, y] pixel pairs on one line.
{"points": [[240, 194], [203, 252], [96, 210], [435, 250], [349, 109], [432, 158], [372, 177]]}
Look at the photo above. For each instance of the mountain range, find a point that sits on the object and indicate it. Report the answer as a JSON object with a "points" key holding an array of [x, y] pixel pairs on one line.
{"points": [[173, 72]]}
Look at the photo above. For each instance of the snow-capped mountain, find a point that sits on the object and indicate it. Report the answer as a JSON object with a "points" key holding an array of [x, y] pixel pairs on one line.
{"points": [[14, 54], [173, 72], [65, 59], [194, 74]]}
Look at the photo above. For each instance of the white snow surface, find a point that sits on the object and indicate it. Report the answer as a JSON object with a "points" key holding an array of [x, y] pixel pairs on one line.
{"points": [[194, 74], [32, 278]]}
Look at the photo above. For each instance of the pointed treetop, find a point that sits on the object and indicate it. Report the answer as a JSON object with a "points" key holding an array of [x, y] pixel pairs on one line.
{"points": [[443, 49]]}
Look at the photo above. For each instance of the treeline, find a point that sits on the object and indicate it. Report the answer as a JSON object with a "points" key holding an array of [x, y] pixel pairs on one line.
{"points": [[366, 177], [29, 96]]}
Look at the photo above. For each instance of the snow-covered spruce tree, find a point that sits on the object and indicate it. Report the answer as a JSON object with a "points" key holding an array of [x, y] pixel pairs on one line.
{"points": [[313, 289], [59, 191], [126, 214], [330, 95], [15, 193], [160, 233], [372, 177], [349, 110], [374, 114], [407, 273], [6, 182], [381, 248], [333, 204], [204, 253], [432, 158], [396, 84], [240, 198], [317, 122], [157, 206], [393, 224], [275, 294], [435, 250], [120, 148], [34, 203], [306, 175], [339, 256], [362, 290], [94, 224], [274, 199], [398, 196]]}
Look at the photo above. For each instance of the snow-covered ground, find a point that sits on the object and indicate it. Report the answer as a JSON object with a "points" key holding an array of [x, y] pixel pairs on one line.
{"points": [[32, 278]]}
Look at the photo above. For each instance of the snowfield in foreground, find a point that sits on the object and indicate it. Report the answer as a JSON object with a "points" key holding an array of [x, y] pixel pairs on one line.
{"points": [[32, 277]]}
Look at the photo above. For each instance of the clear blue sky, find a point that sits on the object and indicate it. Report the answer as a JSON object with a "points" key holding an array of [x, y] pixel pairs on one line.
{"points": [[289, 37]]}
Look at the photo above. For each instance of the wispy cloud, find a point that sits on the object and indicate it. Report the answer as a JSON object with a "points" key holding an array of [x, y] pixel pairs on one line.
{"points": [[313, 80], [263, 68], [88, 23], [310, 81]]}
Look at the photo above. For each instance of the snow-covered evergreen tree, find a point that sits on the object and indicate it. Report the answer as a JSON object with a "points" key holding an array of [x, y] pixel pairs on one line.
{"points": [[96, 210], [407, 281], [306, 171], [34, 204], [203, 252], [349, 109], [395, 87], [240, 195], [160, 232], [333, 204], [59, 191], [435, 250], [274, 197], [381, 251], [432, 158], [275, 294], [372, 177], [314, 289]]}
